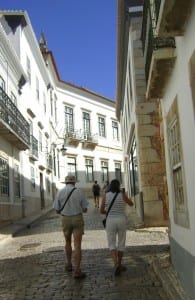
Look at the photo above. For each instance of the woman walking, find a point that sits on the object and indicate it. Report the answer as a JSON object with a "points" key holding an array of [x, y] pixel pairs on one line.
{"points": [[116, 222]]}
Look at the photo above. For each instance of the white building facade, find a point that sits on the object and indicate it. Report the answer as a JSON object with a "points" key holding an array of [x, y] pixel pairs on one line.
{"points": [[168, 100], [55, 115]]}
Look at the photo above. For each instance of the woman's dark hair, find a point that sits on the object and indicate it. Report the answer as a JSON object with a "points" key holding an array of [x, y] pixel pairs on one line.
{"points": [[115, 186]]}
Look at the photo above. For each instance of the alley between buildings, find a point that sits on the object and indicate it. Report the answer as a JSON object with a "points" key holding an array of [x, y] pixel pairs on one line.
{"points": [[32, 264]]}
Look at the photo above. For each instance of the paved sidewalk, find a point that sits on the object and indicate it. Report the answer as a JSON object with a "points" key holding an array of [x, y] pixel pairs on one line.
{"points": [[14, 228], [160, 263]]}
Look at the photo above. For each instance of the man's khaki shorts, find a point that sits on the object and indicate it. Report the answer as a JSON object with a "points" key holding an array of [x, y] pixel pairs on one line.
{"points": [[73, 225]]}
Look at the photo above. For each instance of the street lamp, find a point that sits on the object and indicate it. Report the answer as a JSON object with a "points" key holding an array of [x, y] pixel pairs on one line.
{"points": [[63, 150]]}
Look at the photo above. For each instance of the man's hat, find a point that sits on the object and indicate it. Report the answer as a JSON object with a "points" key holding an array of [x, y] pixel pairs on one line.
{"points": [[70, 179]]}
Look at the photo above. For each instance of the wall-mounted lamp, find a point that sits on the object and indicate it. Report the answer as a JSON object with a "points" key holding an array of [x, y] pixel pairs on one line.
{"points": [[63, 150]]}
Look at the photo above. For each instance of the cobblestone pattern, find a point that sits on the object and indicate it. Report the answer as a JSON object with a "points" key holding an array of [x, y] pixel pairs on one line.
{"points": [[32, 265]]}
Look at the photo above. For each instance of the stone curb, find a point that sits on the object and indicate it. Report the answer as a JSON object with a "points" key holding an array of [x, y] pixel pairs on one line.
{"points": [[169, 279]]}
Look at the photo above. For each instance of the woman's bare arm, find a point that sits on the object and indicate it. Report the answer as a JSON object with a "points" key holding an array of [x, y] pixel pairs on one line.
{"points": [[127, 199]]}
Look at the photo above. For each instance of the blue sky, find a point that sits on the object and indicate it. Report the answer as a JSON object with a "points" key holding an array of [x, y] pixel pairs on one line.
{"points": [[81, 34]]}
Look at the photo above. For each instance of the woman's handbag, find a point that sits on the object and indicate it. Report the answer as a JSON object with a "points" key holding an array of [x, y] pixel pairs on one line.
{"points": [[104, 220]]}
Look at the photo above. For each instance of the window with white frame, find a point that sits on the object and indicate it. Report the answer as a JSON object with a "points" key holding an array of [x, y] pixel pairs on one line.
{"points": [[58, 163], [104, 170], [176, 164], [4, 177], [55, 107], [44, 103], [86, 123], [115, 131], [51, 102], [177, 179], [37, 88], [101, 126], [69, 123], [89, 170], [16, 181], [40, 141], [28, 69], [32, 173], [71, 166]]}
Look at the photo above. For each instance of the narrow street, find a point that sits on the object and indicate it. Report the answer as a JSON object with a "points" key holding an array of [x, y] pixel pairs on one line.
{"points": [[32, 265]]}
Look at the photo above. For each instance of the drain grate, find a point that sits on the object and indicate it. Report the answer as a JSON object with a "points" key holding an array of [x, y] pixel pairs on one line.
{"points": [[29, 246]]}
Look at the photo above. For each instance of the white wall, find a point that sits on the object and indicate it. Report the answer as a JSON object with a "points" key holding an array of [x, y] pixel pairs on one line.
{"points": [[179, 85]]}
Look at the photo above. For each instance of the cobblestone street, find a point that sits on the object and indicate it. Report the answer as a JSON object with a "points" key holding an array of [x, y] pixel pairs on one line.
{"points": [[32, 265]]}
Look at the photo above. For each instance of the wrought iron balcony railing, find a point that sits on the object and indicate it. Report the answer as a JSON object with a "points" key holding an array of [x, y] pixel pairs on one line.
{"points": [[73, 134], [10, 114], [91, 138]]}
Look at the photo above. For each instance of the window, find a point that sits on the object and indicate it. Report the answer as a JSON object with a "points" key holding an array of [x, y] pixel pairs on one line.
{"points": [[118, 171], [40, 142], [16, 181], [55, 107], [101, 125], [4, 177], [89, 170], [32, 179], [133, 169], [51, 102], [86, 123], [176, 165], [181, 215], [48, 185], [104, 170], [37, 88], [115, 132], [28, 69], [44, 103], [54, 162], [58, 163], [2, 83], [69, 119], [72, 166]]}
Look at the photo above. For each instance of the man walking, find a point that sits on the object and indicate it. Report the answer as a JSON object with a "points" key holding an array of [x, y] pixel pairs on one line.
{"points": [[96, 193], [72, 222]]}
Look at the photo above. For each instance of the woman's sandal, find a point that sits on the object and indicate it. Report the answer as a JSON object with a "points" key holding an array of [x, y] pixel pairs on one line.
{"points": [[117, 271], [123, 268], [79, 275]]}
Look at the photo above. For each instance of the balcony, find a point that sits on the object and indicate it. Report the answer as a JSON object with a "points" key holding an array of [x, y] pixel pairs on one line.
{"points": [[13, 126], [173, 15], [89, 141], [159, 54], [33, 151], [73, 138]]}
